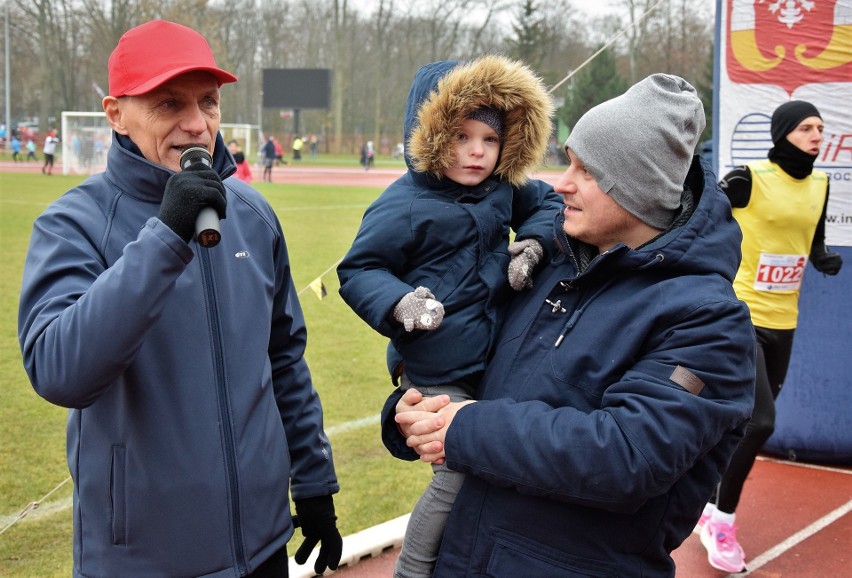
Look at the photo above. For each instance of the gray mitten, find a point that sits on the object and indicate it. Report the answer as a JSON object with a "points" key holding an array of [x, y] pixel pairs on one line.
{"points": [[419, 310], [525, 256]]}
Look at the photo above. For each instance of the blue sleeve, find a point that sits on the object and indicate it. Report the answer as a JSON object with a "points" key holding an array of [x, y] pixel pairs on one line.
{"points": [[312, 467], [641, 439], [534, 209], [70, 294], [391, 436], [369, 272]]}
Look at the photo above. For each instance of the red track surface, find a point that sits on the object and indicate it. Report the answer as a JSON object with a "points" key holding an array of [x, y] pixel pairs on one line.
{"points": [[296, 174]]}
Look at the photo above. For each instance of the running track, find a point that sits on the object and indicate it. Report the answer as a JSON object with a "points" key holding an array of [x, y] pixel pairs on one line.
{"points": [[297, 174]]}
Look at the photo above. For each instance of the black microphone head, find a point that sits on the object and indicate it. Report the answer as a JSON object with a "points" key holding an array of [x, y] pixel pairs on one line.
{"points": [[193, 155]]}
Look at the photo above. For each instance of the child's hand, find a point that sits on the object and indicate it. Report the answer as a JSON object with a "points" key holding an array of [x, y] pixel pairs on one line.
{"points": [[419, 310], [525, 256]]}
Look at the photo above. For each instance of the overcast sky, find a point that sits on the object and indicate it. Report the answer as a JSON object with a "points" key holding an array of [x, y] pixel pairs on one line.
{"points": [[593, 7]]}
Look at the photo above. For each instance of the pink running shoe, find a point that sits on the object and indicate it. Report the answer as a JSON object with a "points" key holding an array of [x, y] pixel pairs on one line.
{"points": [[702, 521], [723, 551]]}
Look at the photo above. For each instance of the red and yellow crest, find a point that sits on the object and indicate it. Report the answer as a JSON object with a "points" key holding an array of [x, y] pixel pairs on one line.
{"points": [[789, 43]]}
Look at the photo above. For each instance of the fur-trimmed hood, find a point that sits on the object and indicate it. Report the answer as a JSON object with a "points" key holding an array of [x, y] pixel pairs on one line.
{"points": [[444, 93]]}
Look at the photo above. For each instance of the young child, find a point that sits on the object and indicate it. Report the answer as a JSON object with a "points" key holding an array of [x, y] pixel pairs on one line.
{"points": [[431, 266], [243, 170]]}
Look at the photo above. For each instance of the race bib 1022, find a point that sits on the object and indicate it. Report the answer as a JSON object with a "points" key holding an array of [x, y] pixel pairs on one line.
{"points": [[780, 272]]}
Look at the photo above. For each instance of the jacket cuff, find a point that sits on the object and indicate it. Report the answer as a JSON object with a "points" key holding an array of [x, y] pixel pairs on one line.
{"points": [[391, 436]]}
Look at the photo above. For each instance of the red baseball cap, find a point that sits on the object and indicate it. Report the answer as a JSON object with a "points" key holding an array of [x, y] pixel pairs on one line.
{"points": [[155, 52]]}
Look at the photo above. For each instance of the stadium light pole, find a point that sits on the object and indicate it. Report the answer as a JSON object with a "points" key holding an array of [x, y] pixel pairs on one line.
{"points": [[260, 121], [8, 110]]}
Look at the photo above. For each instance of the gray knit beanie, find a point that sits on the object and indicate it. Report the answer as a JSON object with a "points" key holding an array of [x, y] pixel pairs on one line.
{"points": [[490, 116], [639, 146]]}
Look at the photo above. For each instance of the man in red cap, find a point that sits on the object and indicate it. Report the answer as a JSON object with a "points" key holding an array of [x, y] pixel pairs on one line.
{"points": [[192, 407]]}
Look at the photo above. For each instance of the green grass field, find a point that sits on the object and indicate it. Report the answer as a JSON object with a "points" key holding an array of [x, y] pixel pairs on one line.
{"points": [[345, 356]]}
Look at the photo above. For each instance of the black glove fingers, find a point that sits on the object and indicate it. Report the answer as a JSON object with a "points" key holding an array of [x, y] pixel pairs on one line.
{"points": [[305, 549], [321, 562], [213, 195], [335, 551], [186, 194], [317, 518]]}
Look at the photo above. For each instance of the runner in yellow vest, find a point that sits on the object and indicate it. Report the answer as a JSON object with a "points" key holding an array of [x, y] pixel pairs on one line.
{"points": [[780, 205]]}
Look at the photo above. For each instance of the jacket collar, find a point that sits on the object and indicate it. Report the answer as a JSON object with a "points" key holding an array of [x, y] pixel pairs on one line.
{"points": [[138, 177]]}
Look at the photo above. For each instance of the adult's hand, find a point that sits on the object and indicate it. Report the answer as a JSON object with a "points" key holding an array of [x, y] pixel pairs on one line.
{"points": [[186, 193], [424, 422], [318, 521]]}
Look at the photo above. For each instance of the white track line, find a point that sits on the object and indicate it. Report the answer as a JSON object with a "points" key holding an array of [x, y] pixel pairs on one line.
{"points": [[795, 539]]}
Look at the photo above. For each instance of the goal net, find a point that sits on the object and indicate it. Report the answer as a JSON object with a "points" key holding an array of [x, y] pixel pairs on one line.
{"points": [[86, 138], [247, 135]]}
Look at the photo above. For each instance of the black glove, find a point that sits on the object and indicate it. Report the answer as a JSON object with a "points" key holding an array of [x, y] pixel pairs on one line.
{"points": [[317, 519], [828, 263], [187, 192]]}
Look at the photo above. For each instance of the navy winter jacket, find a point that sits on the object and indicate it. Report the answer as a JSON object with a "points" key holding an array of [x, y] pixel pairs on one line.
{"points": [[192, 407], [609, 411], [429, 231]]}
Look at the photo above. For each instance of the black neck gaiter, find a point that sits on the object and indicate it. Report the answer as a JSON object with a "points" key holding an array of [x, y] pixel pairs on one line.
{"points": [[795, 162]]}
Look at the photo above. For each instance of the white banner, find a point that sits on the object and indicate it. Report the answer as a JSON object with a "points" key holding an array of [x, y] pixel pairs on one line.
{"points": [[772, 51]]}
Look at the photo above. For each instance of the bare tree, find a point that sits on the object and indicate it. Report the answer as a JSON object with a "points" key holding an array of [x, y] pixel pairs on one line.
{"points": [[60, 49], [340, 17], [382, 19]]}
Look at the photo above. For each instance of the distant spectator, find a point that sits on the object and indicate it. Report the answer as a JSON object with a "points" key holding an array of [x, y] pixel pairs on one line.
{"points": [[16, 149], [49, 151], [31, 150], [279, 150], [268, 152], [367, 155], [298, 143], [243, 170]]}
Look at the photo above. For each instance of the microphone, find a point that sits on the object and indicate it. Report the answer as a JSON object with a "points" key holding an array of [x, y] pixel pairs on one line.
{"points": [[207, 223]]}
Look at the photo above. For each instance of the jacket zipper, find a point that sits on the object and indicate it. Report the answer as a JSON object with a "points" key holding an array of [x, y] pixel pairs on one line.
{"points": [[224, 406]]}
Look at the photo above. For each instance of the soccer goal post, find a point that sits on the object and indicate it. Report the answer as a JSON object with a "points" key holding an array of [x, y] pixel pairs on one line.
{"points": [[86, 138], [247, 135]]}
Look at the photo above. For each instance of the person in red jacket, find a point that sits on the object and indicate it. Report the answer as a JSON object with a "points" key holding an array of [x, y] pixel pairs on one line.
{"points": [[243, 170]]}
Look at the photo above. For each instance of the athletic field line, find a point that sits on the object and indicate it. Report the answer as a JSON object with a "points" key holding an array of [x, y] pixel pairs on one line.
{"points": [[285, 210], [795, 539]]}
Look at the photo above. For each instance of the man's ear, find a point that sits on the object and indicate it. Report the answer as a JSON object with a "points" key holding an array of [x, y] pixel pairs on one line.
{"points": [[114, 117]]}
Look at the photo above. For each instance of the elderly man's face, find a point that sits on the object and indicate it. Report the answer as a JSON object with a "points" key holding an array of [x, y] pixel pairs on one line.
{"points": [[180, 113]]}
